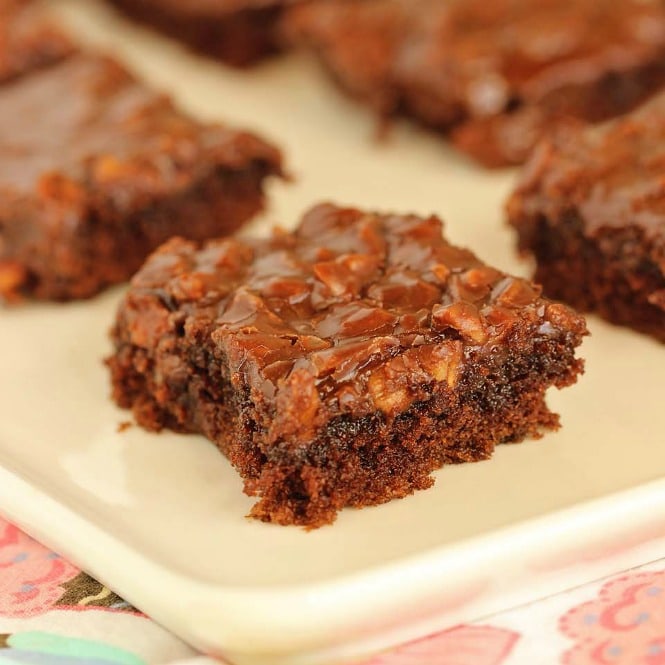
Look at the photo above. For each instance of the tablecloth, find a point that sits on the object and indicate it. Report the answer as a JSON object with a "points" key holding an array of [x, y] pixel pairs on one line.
{"points": [[52, 613]]}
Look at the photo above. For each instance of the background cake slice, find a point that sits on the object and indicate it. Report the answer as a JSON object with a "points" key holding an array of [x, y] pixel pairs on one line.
{"points": [[97, 170], [339, 365], [590, 208], [493, 76]]}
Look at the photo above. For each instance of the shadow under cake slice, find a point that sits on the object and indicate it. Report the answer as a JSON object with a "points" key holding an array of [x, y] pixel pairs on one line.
{"points": [[340, 364], [98, 170]]}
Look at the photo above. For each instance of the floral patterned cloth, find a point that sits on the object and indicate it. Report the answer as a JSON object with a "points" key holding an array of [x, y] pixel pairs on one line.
{"points": [[51, 613]]}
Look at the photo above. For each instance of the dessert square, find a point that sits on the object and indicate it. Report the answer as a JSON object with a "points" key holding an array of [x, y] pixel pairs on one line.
{"points": [[28, 39], [493, 76], [590, 208], [239, 32], [98, 170], [342, 363]]}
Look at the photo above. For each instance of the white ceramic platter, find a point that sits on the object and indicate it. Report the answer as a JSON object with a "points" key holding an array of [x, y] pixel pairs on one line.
{"points": [[160, 518]]}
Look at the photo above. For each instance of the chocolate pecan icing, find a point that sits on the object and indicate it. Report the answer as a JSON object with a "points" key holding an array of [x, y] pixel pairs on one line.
{"points": [[365, 308]]}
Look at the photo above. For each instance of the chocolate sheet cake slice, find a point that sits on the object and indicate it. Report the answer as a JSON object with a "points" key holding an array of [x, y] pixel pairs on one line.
{"points": [[494, 76], [342, 363], [97, 170], [590, 208]]}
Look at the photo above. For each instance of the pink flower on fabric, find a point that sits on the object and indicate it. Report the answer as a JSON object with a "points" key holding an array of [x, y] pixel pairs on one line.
{"points": [[464, 645], [30, 575], [624, 624]]}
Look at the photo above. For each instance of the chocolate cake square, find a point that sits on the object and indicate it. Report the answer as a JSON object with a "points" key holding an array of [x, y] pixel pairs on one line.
{"points": [[97, 170], [590, 208], [340, 364], [494, 76]]}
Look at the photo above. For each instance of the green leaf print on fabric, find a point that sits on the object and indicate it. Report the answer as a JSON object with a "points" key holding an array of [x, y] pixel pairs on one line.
{"points": [[22, 646]]}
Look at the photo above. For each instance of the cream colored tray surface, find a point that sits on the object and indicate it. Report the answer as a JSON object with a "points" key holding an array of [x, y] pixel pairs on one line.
{"points": [[160, 518]]}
